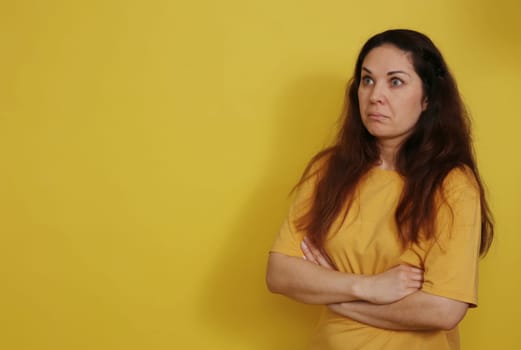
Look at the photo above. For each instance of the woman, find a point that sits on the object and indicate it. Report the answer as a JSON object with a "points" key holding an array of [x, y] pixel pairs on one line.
{"points": [[388, 224]]}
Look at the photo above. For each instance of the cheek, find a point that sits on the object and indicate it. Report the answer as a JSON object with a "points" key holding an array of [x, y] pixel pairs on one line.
{"points": [[361, 99], [414, 110]]}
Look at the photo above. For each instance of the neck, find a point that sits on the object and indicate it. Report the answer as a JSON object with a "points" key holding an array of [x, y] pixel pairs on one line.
{"points": [[388, 150]]}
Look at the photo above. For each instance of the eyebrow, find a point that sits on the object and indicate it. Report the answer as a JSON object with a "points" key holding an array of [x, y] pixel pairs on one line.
{"points": [[388, 73]]}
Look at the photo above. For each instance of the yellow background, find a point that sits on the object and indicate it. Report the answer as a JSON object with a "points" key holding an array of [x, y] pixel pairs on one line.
{"points": [[147, 149]]}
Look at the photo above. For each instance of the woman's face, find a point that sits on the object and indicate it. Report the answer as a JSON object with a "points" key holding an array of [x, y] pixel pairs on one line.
{"points": [[390, 94]]}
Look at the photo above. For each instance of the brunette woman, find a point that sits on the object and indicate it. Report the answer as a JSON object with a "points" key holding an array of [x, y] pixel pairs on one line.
{"points": [[388, 224]]}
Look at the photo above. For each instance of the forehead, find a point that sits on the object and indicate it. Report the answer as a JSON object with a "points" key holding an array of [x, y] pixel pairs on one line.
{"points": [[388, 58]]}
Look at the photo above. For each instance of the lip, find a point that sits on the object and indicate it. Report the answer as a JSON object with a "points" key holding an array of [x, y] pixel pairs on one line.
{"points": [[376, 116]]}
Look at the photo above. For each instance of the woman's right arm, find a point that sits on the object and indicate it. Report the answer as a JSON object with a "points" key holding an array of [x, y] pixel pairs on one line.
{"points": [[315, 282], [310, 283]]}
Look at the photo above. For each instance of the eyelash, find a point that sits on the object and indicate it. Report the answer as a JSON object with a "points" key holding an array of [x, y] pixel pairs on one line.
{"points": [[396, 79], [365, 81]]}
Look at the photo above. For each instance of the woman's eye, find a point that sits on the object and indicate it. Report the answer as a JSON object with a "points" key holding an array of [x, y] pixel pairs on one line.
{"points": [[396, 82], [367, 80]]}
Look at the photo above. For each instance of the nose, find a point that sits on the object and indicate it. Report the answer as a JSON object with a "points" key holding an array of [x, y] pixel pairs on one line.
{"points": [[377, 94]]}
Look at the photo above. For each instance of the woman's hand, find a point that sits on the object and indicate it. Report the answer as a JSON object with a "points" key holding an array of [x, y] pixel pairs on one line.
{"points": [[312, 254], [384, 288], [392, 285]]}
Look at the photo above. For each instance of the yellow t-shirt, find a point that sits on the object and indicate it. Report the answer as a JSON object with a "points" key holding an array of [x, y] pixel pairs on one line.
{"points": [[366, 242]]}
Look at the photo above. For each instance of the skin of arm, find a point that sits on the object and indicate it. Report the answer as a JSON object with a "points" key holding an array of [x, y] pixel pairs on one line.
{"points": [[314, 280], [310, 283], [416, 311]]}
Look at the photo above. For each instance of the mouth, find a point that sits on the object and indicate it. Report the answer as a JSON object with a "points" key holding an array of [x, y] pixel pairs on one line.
{"points": [[376, 116]]}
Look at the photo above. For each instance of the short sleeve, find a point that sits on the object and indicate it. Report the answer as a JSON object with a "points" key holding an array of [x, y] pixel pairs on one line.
{"points": [[289, 237], [451, 264]]}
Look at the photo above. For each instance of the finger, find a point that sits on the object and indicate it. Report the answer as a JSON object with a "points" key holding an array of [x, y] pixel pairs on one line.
{"points": [[314, 255], [312, 248], [317, 254], [417, 277], [308, 255], [415, 284], [413, 273], [322, 261], [414, 269]]}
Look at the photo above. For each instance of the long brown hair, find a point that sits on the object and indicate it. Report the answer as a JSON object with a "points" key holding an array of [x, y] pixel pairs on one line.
{"points": [[440, 142]]}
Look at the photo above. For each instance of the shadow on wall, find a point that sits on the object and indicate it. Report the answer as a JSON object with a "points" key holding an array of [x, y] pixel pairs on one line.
{"points": [[236, 302]]}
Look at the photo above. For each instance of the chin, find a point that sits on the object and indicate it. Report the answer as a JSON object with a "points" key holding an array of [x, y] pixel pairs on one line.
{"points": [[378, 133]]}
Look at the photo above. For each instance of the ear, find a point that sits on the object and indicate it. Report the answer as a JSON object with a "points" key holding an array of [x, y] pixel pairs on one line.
{"points": [[425, 103]]}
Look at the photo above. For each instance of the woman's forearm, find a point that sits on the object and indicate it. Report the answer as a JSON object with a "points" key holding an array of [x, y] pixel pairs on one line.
{"points": [[315, 281], [310, 283], [418, 311]]}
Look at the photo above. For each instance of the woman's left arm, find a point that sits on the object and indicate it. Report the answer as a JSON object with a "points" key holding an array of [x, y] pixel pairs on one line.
{"points": [[417, 311], [451, 269]]}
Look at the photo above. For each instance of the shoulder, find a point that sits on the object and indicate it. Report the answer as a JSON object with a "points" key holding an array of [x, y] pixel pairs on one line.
{"points": [[318, 165], [313, 172], [461, 177], [460, 184], [304, 191]]}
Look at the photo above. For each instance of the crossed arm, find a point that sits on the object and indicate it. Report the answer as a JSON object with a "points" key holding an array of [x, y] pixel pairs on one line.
{"points": [[390, 300]]}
